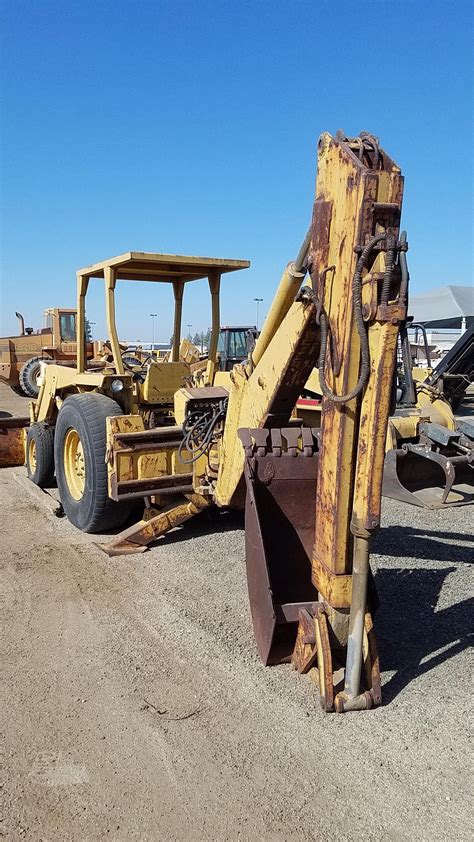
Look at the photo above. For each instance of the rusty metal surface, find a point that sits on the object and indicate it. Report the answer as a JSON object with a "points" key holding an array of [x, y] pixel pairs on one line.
{"points": [[279, 534], [335, 587], [423, 477], [305, 653], [371, 661], [205, 392], [8, 422], [144, 436], [12, 441], [325, 664], [148, 487], [266, 397], [142, 463], [359, 194], [136, 538], [370, 694], [312, 653]]}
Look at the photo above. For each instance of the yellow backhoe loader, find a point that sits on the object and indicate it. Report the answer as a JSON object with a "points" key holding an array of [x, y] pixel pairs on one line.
{"points": [[311, 496]]}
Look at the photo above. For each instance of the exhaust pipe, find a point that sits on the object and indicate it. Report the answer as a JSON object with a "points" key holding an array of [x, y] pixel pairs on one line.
{"points": [[21, 323]]}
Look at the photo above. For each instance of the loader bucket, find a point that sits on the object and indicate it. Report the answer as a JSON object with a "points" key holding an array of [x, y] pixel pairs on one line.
{"points": [[12, 440], [430, 477], [280, 474]]}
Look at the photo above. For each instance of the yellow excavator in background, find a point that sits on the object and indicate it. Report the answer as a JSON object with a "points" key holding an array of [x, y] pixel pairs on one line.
{"points": [[22, 356], [430, 454], [429, 459], [312, 496]]}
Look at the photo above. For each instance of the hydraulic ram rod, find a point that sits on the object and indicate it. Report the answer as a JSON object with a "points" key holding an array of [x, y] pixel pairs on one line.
{"points": [[288, 288]]}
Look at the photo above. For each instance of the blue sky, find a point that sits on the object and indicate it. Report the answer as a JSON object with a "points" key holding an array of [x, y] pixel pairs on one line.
{"points": [[191, 127]]}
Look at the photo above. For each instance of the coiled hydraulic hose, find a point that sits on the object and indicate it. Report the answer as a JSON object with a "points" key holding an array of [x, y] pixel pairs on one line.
{"points": [[389, 264], [199, 428], [322, 318]]}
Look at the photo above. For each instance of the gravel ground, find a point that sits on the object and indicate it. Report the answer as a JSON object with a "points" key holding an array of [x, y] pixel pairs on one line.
{"points": [[135, 707]]}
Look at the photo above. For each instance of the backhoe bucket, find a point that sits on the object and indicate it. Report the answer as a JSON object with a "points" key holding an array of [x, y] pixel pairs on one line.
{"points": [[280, 473], [12, 440], [436, 473]]}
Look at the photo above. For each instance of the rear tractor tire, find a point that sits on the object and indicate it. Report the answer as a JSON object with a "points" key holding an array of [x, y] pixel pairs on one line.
{"points": [[40, 454], [81, 470], [28, 377]]}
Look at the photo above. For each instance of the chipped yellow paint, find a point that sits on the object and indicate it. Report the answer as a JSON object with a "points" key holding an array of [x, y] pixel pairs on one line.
{"points": [[162, 381], [374, 413], [58, 380], [251, 396], [345, 190]]}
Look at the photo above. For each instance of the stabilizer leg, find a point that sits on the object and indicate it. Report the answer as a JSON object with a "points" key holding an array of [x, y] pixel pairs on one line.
{"points": [[136, 538]]}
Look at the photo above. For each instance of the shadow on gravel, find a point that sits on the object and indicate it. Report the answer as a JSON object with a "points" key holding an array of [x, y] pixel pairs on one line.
{"points": [[407, 541], [413, 637]]}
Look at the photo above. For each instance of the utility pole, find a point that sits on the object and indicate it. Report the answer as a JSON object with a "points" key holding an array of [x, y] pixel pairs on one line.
{"points": [[153, 317], [258, 300]]}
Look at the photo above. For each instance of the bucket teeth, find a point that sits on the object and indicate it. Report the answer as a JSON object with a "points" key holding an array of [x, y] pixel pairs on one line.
{"points": [[277, 442], [292, 436], [294, 441], [261, 438], [307, 439]]}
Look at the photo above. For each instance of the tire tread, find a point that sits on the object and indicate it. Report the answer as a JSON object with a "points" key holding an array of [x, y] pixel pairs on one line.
{"points": [[24, 377], [94, 408], [44, 437]]}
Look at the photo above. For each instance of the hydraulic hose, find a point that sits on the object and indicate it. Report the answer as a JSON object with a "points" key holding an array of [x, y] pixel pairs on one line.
{"points": [[402, 259], [361, 329]]}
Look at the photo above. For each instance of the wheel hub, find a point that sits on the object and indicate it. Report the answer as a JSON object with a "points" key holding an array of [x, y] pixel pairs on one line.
{"points": [[32, 455], [74, 464]]}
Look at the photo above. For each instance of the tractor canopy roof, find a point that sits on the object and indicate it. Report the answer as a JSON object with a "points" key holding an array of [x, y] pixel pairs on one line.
{"points": [[148, 266]]}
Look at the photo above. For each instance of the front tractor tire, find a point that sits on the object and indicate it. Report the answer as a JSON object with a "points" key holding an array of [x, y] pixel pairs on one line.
{"points": [[40, 454], [28, 377], [81, 470], [15, 387]]}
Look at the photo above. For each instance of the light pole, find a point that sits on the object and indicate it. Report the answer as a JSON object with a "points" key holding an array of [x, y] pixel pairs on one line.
{"points": [[189, 332], [153, 317], [258, 300]]}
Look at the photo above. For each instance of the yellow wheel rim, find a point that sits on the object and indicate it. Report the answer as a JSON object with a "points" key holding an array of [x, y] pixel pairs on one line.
{"points": [[74, 464], [32, 455]]}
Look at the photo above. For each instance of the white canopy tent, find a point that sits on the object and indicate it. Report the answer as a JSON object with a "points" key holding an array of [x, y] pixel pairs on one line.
{"points": [[444, 307]]}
